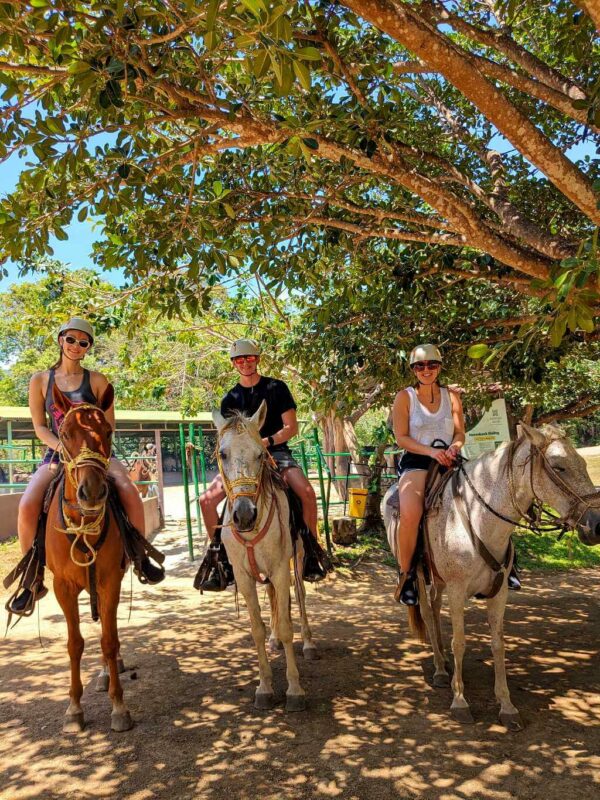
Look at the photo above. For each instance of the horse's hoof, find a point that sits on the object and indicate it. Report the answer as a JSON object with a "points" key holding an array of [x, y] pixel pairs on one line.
{"points": [[264, 702], [462, 715], [102, 682], [74, 723], [295, 702], [310, 654], [512, 722], [441, 681], [121, 668], [121, 721]]}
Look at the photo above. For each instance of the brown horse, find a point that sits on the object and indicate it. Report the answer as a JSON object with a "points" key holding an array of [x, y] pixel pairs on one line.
{"points": [[84, 548], [140, 471]]}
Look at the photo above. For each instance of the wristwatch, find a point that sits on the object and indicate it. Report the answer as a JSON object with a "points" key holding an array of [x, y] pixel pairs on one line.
{"points": [[271, 440]]}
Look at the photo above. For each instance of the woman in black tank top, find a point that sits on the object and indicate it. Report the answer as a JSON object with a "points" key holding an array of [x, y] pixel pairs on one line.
{"points": [[81, 386]]}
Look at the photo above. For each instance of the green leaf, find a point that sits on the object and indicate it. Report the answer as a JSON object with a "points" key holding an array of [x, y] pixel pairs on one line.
{"points": [[229, 210], [303, 74], [78, 67], [312, 144], [255, 7], [217, 188], [586, 324], [308, 53], [276, 67], [83, 212], [478, 351]]}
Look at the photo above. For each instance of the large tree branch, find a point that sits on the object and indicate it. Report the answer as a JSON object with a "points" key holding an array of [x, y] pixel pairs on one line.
{"points": [[403, 23], [463, 217], [592, 9], [581, 407], [498, 39], [523, 83]]}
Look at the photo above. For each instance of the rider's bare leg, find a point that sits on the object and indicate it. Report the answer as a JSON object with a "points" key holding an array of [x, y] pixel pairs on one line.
{"points": [[128, 494], [209, 503], [30, 505], [299, 484], [411, 488]]}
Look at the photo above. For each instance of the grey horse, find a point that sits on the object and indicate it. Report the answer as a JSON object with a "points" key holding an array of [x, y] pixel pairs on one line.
{"points": [[476, 513], [256, 535]]}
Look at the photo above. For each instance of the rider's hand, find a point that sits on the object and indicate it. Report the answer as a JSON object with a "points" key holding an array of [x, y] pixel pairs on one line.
{"points": [[441, 456], [453, 452]]}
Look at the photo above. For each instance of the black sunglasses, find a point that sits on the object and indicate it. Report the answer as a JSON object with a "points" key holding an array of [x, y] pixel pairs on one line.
{"points": [[419, 366], [85, 343]]}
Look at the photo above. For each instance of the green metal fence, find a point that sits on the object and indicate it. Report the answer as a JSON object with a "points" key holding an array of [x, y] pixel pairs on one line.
{"points": [[194, 447]]}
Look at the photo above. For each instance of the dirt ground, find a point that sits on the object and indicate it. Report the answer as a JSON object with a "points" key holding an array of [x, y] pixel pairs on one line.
{"points": [[374, 728]]}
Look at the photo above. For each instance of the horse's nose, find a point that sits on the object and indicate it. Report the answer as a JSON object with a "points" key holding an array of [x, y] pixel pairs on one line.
{"points": [[244, 514], [86, 494]]}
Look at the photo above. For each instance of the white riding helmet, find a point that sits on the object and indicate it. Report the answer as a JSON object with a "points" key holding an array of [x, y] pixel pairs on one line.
{"points": [[77, 324], [425, 352], [244, 347]]}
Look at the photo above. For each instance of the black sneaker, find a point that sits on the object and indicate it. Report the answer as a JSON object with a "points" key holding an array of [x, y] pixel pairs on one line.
{"points": [[26, 600], [409, 594], [220, 577], [149, 572], [313, 571]]}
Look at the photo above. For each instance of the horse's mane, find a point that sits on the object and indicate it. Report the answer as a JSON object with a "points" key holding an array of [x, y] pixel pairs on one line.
{"points": [[238, 422]]}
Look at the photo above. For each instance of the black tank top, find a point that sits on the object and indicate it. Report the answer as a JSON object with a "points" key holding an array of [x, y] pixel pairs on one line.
{"points": [[83, 394]]}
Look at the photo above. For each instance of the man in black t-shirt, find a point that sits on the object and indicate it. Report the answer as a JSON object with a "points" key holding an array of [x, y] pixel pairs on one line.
{"points": [[279, 427]]}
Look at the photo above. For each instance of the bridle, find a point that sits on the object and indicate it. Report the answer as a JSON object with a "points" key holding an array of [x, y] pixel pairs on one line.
{"points": [[72, 464], [562, 523], [237, 488]]}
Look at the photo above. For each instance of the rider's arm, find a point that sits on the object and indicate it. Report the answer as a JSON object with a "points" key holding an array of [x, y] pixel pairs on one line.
{"points": [[400, 419], [289, 430], [99, 385], [459, 423], [38, 411]]}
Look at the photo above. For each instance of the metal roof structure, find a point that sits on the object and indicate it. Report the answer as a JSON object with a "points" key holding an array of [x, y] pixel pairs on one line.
{"points": [[127, 420]]}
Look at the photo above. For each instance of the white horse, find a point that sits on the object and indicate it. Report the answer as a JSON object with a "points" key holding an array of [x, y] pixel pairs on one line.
{"points": [[469, 529], [256, 535]]}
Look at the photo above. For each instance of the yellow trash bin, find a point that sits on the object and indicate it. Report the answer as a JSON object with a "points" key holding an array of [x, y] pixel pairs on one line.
{"points": [[357, 505]]}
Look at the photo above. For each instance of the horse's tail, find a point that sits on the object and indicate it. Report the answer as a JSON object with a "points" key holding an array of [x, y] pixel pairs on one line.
{"points": [[416, 623]]}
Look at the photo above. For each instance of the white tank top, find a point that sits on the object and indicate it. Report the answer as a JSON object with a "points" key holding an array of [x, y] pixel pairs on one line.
{"points": [[425, 427]]}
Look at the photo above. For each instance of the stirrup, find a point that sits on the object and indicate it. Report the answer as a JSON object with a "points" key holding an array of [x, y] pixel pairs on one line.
{"points": [[406, 591], [215, 573], [22, 602], [148, 573]]}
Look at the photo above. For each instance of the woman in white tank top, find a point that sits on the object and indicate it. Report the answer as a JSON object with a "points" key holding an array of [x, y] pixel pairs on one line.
{"points": [[428, 425]]}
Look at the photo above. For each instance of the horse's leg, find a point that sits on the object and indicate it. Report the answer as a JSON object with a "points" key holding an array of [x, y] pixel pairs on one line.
{"points": [[456, 599], [103, 678], [496, 606], [66, 594], [436, 605], [263, 697], [295, 696], [120, 719], [440, 677], [273, 645], [309, 649]]}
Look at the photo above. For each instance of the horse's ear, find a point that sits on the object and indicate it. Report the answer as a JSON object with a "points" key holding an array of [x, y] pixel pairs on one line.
{"points": [[259, 418], [108, 398], [533, 434], [219, 420], [62, 403]]}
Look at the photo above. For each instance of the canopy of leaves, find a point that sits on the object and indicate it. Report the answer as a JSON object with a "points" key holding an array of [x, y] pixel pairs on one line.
{"points": [[352, 158]]}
